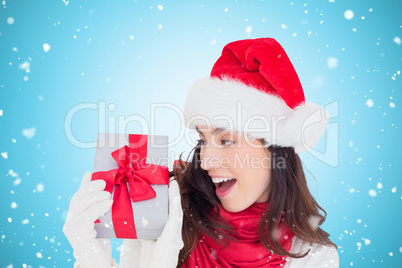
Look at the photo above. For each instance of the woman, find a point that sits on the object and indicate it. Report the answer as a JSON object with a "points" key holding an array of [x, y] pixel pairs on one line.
{"points": [[244, 196]]}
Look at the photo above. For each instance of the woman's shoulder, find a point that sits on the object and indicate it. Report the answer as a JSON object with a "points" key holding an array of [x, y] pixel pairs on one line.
{"points": [[319, 255]]}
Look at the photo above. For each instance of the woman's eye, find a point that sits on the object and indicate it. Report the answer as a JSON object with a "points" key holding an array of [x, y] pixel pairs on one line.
{"points": [[227, 142], [200, 142], [223, 142]]}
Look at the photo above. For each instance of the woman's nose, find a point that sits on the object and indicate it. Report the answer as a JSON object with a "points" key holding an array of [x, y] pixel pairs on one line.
{"points": [[209, 158]]}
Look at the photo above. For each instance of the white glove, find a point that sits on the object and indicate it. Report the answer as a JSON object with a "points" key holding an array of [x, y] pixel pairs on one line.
{"points": [[164, 252], [87, 205]]}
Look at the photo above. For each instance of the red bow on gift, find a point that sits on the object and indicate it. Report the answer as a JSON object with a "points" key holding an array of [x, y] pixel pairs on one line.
{"points": [[139, 175]]}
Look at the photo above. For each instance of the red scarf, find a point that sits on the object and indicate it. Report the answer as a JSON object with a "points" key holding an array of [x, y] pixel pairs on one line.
{"points": [[248, 251]]}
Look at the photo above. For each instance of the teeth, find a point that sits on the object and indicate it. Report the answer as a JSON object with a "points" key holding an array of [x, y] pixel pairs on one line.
{"points": [[218, 180]]}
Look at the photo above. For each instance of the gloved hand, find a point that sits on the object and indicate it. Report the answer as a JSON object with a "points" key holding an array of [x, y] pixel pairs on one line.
{"points": [[164, 251], [86, 206]]}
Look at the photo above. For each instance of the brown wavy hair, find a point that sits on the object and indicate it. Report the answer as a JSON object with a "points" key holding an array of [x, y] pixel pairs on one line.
{"points": [[289, 195]]}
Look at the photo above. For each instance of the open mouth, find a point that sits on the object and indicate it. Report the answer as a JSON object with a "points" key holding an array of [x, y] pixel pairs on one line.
{"points": [[223, 185]]}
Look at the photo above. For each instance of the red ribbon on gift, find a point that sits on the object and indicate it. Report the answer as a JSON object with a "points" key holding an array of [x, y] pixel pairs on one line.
{"points": [[139, 175]]}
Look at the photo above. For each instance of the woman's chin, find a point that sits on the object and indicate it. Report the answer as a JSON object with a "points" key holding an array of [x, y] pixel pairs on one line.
{"points": [[232, 207]]}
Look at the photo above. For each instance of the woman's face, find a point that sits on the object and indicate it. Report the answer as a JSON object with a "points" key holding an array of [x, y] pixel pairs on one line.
{"points": [[243, 163]]}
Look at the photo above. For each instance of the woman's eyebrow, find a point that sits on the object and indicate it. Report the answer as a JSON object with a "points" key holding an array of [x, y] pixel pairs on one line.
{"points": [[216, 131]]}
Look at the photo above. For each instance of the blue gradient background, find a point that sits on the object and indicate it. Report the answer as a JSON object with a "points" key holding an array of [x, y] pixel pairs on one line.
{"points": [[104, 66]]}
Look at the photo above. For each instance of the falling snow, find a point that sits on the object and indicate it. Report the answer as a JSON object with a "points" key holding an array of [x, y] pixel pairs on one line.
{"points": [[40, 187], [348, 14], [29, 133], [332, 62], [12, 173], [144, 222], [379, 185], [314, 222], [360, 68], [25, 66], [369, 103], [10, 20], [46, 47]]}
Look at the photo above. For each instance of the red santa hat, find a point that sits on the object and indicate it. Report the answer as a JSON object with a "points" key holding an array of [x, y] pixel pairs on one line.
{"points": [[254, 89]]}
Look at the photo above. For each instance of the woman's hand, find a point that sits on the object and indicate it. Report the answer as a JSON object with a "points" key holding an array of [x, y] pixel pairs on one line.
{"points": [[87, 205], [163, 252]]}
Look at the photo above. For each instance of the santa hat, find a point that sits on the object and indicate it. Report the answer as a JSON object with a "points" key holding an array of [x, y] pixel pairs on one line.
{"points": [[254, 89]]}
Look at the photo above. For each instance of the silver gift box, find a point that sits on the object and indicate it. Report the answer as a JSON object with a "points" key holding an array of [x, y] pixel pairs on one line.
{"points": [[150, 215]]}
